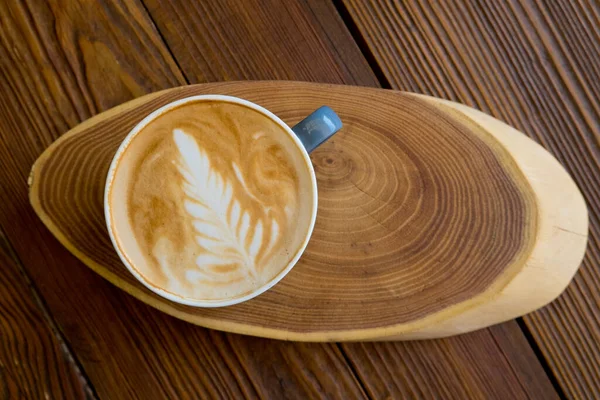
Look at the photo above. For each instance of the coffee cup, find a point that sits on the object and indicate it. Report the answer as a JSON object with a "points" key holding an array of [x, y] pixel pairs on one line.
{"points": [[211, 200]]}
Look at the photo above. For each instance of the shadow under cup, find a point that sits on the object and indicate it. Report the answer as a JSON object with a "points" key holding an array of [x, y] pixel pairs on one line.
{"points": [[211, 200]]}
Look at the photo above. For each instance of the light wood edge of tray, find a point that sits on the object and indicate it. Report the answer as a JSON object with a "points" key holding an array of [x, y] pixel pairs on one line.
{"points": [[560, 243]]}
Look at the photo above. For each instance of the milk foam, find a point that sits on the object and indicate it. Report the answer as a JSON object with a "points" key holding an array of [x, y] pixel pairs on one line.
{"points": [[211, 194]]}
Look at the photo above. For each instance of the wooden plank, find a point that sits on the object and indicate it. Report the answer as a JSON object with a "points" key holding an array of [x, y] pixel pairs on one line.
{"points": [[285, 30], [534, 65], [60, 64], [459, 367], [232, 40], [524, 362], [34, 364]]}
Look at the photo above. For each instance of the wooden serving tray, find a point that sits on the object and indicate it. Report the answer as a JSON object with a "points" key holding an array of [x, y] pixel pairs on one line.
{"points": [[434, 219]]}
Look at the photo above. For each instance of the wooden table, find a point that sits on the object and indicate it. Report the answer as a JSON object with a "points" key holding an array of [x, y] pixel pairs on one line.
{"points": [[67, 333]]}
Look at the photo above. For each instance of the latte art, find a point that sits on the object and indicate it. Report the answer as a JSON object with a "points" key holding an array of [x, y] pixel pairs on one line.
{"points": [[211, 201], [233, 240]]}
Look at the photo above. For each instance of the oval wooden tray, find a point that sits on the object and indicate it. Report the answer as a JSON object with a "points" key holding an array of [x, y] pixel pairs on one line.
{"points": [[434, 219]]}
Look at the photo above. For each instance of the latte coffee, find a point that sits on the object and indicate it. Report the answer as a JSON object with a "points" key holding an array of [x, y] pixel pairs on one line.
{"points": [[211, 200]]}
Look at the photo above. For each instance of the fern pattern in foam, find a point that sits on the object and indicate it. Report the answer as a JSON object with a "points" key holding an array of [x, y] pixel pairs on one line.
{"points": [[232, 241]]}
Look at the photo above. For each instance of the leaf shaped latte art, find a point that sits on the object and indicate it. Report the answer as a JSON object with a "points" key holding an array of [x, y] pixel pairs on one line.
{"points": [[231, 239]]}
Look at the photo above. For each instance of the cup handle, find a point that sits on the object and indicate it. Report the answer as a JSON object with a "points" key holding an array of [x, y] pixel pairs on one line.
{"points": [[317, 127]]}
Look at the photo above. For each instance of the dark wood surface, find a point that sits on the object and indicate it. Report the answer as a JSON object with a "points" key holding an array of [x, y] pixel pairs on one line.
{"points": [[34, 361], [534, 65], [63, 61], [470, 366]]}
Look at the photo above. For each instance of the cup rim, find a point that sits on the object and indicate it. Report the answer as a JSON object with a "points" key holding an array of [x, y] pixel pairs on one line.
{"points": [[111, 176]]}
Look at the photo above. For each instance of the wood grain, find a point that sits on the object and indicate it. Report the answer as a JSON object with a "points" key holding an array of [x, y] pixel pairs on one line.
{"points": [[523, 362], [8, 387], [34, 364], [405, 370], [380, 263], [260, 40], [534, 65], [60, 63]]}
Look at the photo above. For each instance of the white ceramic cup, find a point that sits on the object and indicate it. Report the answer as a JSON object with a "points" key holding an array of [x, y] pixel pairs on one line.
{"points": [[307, 135]]}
